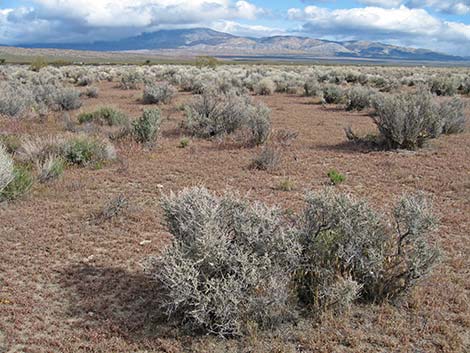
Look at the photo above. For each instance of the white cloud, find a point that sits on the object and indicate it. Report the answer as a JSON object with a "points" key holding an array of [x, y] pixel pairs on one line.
{"points": [[457, 7], [58, 20], [382, 3], [401, 25], [239, 29]]}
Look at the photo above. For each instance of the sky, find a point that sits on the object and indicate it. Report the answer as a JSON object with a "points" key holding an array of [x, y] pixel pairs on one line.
{"points": [[440, 25]]}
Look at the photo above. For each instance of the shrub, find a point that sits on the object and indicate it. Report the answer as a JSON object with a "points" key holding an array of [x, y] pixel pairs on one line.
{"points": [[406, 120], [157, 94], [68, 99], [112, 209], [228, 265], [265, 87], [19, 185], [444, 86], [51, 168], [453, 116], [343, 238], [184, 142], [359, 98], [313, 89], [130, 80], [333, 94], [258, 123], [268, 159], [214, 114], [92, 92], [146, 128], [207, 61], [37, 64], [11, 143], [6, 168], [336, 177], [286, 185], [83, 150], [38, 149], [105, 116], [466, 86], [14, 100]]}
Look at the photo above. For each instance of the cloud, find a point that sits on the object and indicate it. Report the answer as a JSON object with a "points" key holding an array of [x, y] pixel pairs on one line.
{"points": [[239, 29], [456, 7], [79, 20], [403, 25]]}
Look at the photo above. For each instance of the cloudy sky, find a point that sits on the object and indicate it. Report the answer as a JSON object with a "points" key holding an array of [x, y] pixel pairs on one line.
{"points": [[442, 25]]}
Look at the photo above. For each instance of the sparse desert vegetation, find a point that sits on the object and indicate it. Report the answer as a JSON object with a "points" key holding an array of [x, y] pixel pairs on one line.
{"points": [[222, 208]]}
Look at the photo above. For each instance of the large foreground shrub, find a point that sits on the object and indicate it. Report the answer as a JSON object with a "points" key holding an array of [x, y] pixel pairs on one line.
{"points": [[345, 239], [234, 264], [229, 263]]}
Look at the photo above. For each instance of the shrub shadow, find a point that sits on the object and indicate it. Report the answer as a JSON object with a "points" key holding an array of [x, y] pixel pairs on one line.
{"points": [[114, 300]]}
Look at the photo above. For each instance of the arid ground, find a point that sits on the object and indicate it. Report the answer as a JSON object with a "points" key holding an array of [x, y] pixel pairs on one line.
{"points": [[70, 283]]}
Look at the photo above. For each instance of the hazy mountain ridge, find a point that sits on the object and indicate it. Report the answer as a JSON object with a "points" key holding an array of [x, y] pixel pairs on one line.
{"points": [[210, 42]]}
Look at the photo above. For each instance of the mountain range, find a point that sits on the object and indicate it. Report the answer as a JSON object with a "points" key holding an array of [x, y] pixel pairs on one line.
{"points": [[204, 41]]}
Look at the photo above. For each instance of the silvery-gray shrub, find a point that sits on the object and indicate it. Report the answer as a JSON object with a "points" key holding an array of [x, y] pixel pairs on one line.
{"points": [[215, 114], [407, 120], [453, 116], [229, 264], [15, 99], [6, 168], [158, 93], [343, 237], [68, 99], [359, 98]]}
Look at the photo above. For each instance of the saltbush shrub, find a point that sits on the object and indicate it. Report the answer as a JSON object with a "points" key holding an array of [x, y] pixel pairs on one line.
{"points": [[406, 120], [83, 150], [265, 87], [105, 116], [444, 86], [228, 266], [214, 114], [234, 264], [14, 100], [130, 80], [332, 94], [312, 88], [344, 238], [68, 99], [6, 168], [158, 93], [19, 185], [146, 128], [268, 159], [453, 116], [359, 98]]}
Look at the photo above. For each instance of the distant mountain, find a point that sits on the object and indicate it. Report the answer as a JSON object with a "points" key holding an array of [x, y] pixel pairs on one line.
{"points": [[210, 42]]}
